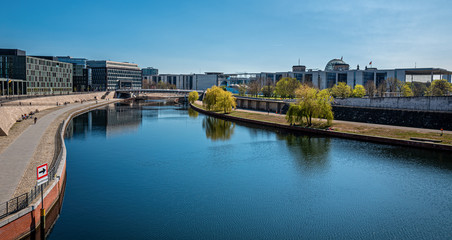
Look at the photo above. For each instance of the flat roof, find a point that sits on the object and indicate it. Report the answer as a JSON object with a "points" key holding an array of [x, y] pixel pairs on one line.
{"points": [[426, 71]]}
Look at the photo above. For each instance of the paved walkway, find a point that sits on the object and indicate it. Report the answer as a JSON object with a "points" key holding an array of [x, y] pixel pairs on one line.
{"points": [[373, 125], [422, 130], [15, 159]]}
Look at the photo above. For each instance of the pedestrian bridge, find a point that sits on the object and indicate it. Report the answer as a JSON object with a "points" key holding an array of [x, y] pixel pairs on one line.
{"points": [[161, 93], [170, 91]]}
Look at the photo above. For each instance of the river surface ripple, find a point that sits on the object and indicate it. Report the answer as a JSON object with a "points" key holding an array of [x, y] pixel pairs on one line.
{"points": [[164, 172]]}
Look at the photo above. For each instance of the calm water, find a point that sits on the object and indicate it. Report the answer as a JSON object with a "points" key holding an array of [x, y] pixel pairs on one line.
{"points": [[163, 172]]}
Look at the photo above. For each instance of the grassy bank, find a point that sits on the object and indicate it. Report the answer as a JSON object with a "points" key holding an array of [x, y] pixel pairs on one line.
{"points": [[351, 127]]}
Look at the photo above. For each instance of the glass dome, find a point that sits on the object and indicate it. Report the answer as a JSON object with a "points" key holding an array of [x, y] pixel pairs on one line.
{"points": [[330, 65]]}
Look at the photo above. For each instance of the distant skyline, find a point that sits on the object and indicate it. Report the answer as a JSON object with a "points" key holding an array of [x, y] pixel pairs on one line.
{"points": [[234, 36]]}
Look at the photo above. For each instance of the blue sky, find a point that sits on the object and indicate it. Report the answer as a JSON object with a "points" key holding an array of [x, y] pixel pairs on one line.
{"points": [[234, 35]]}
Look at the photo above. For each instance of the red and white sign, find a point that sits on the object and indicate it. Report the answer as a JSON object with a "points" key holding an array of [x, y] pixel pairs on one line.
{"points": [[42, 174]]}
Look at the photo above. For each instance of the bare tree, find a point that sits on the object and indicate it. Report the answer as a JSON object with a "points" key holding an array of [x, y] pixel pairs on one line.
{"points": [[394, 85], [381, 88], [370, 88], [268, 88], [254, 87]]}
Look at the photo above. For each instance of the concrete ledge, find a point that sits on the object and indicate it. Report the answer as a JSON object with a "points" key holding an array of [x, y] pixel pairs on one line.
{"points": [[12, 111], [392, 141], [18, 225]]}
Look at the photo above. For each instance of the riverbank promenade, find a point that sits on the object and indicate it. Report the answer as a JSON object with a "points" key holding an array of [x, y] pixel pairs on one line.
{"points": [[390, 134], [16, 158]]}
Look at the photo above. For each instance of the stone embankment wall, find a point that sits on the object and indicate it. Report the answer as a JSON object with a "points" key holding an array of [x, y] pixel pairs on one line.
{"points": [[306, 130], [397, 117], [10, 112], [26, 223], [266, 105], [388, 111], [443, 104]]}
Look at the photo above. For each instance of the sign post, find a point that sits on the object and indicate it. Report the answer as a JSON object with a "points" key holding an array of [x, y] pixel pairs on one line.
{"points": [[42, 173]]}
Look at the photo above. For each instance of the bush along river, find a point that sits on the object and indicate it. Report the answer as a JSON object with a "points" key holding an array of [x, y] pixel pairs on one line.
{"points": [[160, 171]]}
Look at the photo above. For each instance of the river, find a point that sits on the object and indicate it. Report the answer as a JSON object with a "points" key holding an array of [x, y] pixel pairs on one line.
{"points": [[166, 172]]}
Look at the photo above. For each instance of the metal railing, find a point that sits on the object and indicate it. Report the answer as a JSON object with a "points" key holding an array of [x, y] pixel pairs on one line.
{"points": [[22, 201]]}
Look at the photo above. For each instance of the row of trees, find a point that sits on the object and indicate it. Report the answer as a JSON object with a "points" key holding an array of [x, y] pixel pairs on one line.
{"points": [[159, 85], [217, 99], [312, 103], [285, 88], [408, 89]]}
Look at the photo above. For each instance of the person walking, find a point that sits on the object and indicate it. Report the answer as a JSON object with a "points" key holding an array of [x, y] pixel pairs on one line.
{"points": [[36, 119]]}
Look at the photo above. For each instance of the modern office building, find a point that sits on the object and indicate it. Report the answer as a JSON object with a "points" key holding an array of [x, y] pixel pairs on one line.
{"points": [[336, 70], [109, 75], [146, 74], [188, 81], [12, 72], [23, 74], [81, 73], [149, 71]]}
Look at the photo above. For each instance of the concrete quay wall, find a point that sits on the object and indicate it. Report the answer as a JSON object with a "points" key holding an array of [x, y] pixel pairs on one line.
{"points": [[382, 115], [12, 111], [396, 117], [443, 104], [261, 104], [25, 224], [306, 130]]}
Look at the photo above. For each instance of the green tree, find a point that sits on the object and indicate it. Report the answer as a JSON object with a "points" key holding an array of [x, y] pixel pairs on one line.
{"points": [[418, 88], [324, 100], [439, 88], [217, 99], [406, 91], [210, 97], [341, 90], [294, 115], [286, 87], [193, 96], [311, 103], [225, 101], [359, 91]]}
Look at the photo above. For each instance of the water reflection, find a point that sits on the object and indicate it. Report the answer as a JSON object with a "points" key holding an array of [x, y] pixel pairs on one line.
{"points": [[192, 113], [218, 129], [309, 151], [257, 185], [108, 121]]}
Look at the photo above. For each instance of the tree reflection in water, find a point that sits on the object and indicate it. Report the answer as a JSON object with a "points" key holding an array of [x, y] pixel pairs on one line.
{"points": [[309, 151], [218, 129], [192, 113]]}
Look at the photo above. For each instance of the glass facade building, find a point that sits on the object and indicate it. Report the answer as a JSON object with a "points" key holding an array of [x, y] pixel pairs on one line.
{"points": [[81, 74], [110, 76], [33, 75], [48, 76], [149, 71]]}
